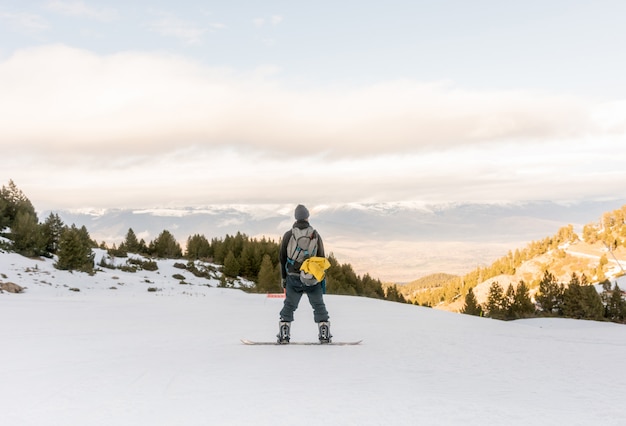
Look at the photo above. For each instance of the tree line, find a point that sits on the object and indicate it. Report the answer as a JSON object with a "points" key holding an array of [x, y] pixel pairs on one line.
{"points": [[578, 300], [239, 255]]}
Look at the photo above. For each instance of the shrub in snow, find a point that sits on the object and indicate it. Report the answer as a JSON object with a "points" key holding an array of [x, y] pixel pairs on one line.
{"points": [[146, 265]]}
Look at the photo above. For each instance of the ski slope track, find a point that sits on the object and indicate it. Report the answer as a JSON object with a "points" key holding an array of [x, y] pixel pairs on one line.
{"points": [[115, 354]]}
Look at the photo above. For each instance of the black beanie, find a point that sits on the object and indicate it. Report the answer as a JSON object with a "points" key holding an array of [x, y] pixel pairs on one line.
{"points": [[301, 213]]}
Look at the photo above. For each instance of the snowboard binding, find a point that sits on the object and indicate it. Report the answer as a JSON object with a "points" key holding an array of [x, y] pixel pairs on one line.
{"points": [[324, 332], [283, 332]]}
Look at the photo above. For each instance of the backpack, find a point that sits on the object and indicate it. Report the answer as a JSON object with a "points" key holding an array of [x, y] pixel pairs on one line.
{"points": [[301, 246]]}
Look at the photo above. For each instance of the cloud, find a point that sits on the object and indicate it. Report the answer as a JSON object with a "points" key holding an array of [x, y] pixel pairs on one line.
{"points": [[78, 8], [135, 129], [272, 20], [187, 32], [133, 101], [25, 22], [216, 26]]}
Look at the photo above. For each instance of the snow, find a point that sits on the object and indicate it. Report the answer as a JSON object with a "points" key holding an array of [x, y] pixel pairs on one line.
{"points": [[173, 357]]}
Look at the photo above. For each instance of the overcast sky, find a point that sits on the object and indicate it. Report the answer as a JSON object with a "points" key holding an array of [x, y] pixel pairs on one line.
{"points": [[158, 103]]}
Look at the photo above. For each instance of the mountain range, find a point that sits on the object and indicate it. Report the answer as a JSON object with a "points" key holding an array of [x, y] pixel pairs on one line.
{"points": [[396, 242]]}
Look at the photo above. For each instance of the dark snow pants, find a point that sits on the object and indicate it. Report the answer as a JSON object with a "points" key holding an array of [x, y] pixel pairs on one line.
{"points": [[294, 292]]}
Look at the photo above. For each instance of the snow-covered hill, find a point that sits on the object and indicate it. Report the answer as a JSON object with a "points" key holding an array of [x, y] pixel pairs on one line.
{"points": [[127, 356]]}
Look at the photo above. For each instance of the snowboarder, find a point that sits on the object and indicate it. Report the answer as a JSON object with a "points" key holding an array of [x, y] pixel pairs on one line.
{"points": [[299, 244]]}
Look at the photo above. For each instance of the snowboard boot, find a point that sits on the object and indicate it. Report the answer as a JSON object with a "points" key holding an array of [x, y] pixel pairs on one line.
{"points": [[324, 329], [283, 332]]}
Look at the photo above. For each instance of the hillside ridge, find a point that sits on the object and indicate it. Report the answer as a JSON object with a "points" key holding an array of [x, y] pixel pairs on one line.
{"points": [[599, 254]]}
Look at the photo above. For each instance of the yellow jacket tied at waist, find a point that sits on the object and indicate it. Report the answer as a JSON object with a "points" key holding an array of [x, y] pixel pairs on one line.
{"points": [[316, 267]]}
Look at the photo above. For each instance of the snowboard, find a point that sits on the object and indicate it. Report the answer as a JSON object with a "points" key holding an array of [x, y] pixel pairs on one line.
{"points": [[251, 342]]}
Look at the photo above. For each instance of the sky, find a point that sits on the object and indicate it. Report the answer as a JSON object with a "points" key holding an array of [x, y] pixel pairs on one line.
{"points": [[141, 104]]}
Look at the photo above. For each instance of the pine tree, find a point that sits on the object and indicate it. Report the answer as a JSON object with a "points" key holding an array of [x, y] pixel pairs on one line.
{"points": [[52, 229], [590, 234], [223, 281], [472, 307], [573, 306], [165, 246], [524, 306], [616, 307], [198, 247], [267, 281], [594, 309], [394, 295], [248, 261], [218, 250], [75, 250], [374, 288], [231, 265], [495, 301], [26, 234], [550, 295], [131, 244], [14, 201], [508, 303], [581, 300]]}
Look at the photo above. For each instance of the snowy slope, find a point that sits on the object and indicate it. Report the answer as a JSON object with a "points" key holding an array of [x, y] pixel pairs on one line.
{"points": [[133, 357]]}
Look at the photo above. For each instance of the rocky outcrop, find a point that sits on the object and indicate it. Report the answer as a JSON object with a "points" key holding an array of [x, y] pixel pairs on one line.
{"points": [[10, 288]]}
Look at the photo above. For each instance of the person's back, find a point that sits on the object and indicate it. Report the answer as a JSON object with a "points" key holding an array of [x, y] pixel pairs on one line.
{"points": [[300, 243]]}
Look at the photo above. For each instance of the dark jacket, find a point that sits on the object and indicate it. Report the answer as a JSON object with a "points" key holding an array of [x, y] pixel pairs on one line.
{"points": [[300, 224]]}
